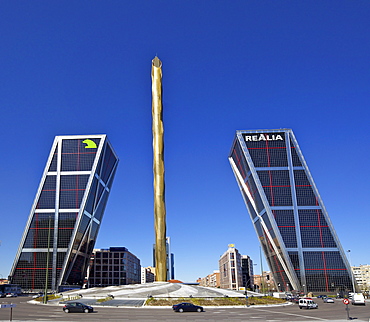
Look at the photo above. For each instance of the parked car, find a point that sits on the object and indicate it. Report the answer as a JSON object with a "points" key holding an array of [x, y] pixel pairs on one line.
{"points": [[37, 295], [358, 299], [187, 307], [11, 295], [307, 303], [328, 300], [295, 300], [288, 296], [77, 307]]}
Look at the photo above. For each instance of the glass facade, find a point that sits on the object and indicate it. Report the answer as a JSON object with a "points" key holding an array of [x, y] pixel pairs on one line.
{"points": [[64, 221], [294, 229]]}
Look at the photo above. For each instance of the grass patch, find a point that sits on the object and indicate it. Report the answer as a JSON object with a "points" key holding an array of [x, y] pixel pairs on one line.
{"points": [[108, 298], [217, 301], [49, 298]]}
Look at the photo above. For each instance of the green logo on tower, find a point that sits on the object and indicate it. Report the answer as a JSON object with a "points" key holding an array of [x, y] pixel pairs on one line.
{"points": [[89, 144]]}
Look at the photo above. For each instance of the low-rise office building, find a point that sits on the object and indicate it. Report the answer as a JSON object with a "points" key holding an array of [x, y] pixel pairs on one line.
{"points": [[114, 266]]}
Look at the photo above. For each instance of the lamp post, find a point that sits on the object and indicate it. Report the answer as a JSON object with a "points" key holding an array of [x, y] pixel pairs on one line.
{"points": [[350, 264], [253, 286], [262, 284], [47, 266]]}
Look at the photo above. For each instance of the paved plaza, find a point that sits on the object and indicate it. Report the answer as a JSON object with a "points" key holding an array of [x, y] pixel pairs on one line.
{"points": [[135, 295]]}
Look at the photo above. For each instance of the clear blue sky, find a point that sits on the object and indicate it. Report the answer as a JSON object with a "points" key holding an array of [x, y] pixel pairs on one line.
{"points": [[83, 67]]}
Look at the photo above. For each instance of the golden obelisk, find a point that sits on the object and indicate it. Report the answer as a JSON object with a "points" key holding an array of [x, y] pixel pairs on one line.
{"points": [[158, 171]]}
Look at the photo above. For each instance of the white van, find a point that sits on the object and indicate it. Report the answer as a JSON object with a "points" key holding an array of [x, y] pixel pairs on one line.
{"points": [[307, 303], [358, 299]]}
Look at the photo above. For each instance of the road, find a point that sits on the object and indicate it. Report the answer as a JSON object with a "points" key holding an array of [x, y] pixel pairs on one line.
{"points": [[326, 312]]}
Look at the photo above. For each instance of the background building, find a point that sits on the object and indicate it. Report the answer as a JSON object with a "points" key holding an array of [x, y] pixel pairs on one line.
{"points": [[288, 214], [3, 281], [264, 283], [65, 217], [230, 267], [362, 276], [247, 272], [170, 260], [114, 266], [211, 280], [147, 274], [214, 279]]}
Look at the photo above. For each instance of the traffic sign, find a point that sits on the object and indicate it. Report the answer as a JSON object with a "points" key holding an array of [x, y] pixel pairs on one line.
{"points": [[346, 301], [6, 306]]}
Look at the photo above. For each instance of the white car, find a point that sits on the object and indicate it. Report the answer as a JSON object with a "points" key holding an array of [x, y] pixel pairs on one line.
{"points": [[307, 303], [11, 295], [328, 300], [358, 299], [37, 295]]}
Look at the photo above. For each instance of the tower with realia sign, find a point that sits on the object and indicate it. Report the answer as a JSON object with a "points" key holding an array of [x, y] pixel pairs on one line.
{"points": [[288, 214], [66, 215]]}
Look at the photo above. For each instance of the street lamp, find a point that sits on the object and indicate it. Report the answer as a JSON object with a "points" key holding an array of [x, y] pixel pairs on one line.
{"points": [[47, 266], [254, 282], [350, 264], [262, 284]]}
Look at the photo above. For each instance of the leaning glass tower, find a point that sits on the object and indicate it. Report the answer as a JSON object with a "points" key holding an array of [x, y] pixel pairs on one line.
{"points": [[65, 217], [288, 214]]}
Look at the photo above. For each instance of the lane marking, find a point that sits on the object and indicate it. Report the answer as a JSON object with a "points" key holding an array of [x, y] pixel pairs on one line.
{"points": [[299, 315]]}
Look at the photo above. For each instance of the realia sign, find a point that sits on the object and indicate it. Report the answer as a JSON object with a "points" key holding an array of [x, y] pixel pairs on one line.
{"points": [[264, 137]]}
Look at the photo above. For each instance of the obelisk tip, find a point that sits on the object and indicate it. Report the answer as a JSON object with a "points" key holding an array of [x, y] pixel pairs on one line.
{"points": [[157, 62]]}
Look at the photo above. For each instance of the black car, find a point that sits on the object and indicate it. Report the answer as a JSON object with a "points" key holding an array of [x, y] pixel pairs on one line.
{"points": [[77, 307], [187, 307], [322, 296]]}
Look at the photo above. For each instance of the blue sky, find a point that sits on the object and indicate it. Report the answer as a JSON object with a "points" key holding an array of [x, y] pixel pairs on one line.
{"points": [[83, 67]]}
